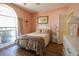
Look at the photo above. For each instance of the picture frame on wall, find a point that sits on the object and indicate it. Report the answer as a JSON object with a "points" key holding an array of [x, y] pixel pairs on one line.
{"points": [[42, 20]]}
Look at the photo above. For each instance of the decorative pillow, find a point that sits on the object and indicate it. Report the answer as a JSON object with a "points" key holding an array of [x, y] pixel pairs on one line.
{"points": [[42, 30], [45, 31]]}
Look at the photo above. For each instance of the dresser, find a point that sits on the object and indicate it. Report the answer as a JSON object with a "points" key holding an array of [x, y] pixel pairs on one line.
{"points": [[71, 46]]}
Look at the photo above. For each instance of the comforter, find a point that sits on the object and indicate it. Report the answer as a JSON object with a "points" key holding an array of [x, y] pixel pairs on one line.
{"points": [[35, 43]]}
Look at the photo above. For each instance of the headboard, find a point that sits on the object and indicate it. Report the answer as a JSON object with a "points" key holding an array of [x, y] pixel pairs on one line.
{"points": [[43, 30]]}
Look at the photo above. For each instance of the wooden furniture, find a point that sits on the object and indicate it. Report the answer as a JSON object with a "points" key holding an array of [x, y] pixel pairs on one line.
{"points": [[54, 38], [71, 46]]}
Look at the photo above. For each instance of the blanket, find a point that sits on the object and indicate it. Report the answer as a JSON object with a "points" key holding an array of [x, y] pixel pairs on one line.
{"points": [[35, 43]]}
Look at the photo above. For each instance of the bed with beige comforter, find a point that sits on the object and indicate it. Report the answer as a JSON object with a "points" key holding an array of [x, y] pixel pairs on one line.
{"points": [[34, 41]]}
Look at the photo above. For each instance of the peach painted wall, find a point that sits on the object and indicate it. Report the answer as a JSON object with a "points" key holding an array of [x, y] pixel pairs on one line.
{"points": [[33, 25], [24, 15], [53, 15]]}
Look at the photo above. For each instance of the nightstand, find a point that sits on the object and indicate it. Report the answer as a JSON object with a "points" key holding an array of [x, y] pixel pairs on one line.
{"points": [[54, 38]]}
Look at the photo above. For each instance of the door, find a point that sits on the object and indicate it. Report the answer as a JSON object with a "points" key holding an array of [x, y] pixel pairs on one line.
{"points": [[64, 26]]}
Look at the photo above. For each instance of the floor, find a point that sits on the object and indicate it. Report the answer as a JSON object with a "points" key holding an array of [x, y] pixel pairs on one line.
{"points": [[52, 49]]}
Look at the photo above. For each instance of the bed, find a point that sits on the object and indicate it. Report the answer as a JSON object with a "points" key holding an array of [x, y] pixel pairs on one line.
{"points": [[46, 37], [36, 41]]}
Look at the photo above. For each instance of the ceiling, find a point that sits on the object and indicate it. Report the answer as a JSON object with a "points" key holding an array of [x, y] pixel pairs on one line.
{"points": [[40, 7]]}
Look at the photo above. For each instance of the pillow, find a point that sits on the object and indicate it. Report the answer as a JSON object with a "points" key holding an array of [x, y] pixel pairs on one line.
{"points": [[38, 30], [42, 30], [45, 31]]}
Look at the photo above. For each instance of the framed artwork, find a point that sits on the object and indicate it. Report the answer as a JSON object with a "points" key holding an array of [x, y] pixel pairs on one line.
{"points": [[42, 20]]}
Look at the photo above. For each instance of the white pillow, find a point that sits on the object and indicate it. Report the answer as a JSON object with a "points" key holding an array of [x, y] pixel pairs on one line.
{"points": [[42, 30], [38, 30], [45, 31]]}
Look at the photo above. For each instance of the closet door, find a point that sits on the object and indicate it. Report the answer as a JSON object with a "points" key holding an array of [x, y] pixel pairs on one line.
{"points": [[64, 26]]}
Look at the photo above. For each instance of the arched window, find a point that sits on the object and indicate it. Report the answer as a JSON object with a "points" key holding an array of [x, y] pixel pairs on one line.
{"points": [[8, 24]]}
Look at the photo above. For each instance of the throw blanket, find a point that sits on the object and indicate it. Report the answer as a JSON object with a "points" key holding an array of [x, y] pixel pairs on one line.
{"points": [[32, 43]]}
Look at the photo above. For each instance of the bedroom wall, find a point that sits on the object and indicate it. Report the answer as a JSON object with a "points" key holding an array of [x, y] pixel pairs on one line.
{"points": [[23, 16], [54, 19], [53, 15]]}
